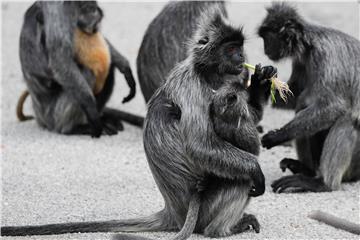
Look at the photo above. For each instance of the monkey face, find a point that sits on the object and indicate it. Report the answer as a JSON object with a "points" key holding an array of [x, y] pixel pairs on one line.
{"points": [[219, 48], [281, 31], [272, 45], [230, 104], [232, 58], [90, 16]]}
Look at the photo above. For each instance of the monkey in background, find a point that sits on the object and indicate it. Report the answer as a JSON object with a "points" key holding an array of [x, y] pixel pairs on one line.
{"points": [[182, 148], [324, 126], [69, 69]]}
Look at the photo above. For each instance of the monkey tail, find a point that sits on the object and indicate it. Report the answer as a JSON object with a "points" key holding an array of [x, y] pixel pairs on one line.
{"points": [[20, 105], [187, 229], [127, 117], [155, 222], [335, 221]]}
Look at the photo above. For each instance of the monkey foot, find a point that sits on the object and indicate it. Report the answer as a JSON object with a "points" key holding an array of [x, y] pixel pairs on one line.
{"points": [[248, 221], [298, 183], [216, 232], [112, 125], [295, 167]]}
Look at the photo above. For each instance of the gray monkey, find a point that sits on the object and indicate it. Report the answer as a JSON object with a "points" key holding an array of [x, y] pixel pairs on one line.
{"points": [[206, 182], [62, 88], [326, 78], [324, 125]]}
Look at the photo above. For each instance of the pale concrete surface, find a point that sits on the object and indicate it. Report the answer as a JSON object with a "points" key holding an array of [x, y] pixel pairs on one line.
{"points": [[50, 178]]}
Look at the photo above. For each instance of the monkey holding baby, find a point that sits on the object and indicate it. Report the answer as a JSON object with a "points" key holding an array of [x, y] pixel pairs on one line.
{"points": [[69, 69]]}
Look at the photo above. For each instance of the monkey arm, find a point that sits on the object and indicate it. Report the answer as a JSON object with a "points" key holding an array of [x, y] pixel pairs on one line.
{"points": [[123, 65], [220, 158], [307, 122], [259, 90], [58, 31]]}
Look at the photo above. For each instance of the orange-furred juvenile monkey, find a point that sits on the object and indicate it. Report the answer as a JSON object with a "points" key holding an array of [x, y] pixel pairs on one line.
{"points": [[92, 51]]}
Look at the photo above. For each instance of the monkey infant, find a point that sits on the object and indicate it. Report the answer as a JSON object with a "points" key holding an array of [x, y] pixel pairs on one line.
{"points": [[235, 110]]}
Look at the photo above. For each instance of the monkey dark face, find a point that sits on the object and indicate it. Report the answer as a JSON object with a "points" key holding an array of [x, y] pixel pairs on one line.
{"points": [[273, 45], [281, 31], [90, 16], [219, 48]]}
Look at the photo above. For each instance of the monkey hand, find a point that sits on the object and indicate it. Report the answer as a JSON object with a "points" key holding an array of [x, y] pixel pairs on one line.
{"points": [[271, 139], [261, 76], [258, 183]]}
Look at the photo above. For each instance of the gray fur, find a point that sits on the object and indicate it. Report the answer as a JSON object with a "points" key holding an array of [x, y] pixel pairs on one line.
{"points": [[326, 70], [60, 89]]}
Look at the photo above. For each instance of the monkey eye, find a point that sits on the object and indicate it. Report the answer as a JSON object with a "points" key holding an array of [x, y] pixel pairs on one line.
{"points": [[204, 40], [232, 50]]}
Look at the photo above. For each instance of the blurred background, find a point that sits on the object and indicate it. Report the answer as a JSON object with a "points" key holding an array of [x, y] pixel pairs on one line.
{"points": [[49, 178]]}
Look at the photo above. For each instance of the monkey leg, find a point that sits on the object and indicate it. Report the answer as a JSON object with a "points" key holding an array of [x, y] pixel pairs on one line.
{"points": [[70, 119], [226, 209], [67, 114], [335, 160], [299, 183], [338, 152]]}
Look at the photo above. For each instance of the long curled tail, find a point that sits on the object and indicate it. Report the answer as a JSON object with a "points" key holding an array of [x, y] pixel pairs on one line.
{"points": [[155, 222], [20, 105], [187, 229], [335, 221]]}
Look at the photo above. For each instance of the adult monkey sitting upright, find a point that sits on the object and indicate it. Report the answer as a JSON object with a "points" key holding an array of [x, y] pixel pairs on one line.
{"points": [[61, 76], [325, 126]]}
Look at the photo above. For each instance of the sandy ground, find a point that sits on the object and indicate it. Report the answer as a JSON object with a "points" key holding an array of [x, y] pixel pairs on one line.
{"points": [[50, 178]]}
